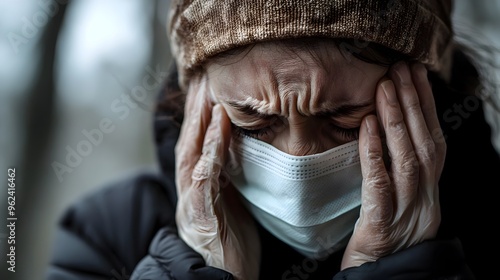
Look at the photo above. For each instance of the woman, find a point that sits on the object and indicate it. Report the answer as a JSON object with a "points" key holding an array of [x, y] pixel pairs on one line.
{"points": [[313, 140]]}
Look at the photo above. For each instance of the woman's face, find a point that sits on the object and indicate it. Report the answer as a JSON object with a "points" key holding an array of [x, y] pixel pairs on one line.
{"points": [[301, 102]]}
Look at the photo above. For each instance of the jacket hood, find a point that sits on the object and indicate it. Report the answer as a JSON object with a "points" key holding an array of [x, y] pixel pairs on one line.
{"points": [[167, 121]]}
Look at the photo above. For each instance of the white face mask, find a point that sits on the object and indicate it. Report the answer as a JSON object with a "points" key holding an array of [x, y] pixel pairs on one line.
{"points": [[309, 202]]}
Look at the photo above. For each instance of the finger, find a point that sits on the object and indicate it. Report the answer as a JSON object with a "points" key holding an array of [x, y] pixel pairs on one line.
{"points": [[376, 193], [189, 146], [428, 106], [414, 118], [404, 165], [423, 144], [206, 181], [215, 145]]}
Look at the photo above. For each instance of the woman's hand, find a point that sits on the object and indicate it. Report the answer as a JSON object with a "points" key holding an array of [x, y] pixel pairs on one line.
{"points": [[400, 199], [210, 216]]}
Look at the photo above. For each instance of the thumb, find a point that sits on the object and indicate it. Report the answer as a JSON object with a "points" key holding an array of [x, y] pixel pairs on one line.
{"points": [[207, 171]]}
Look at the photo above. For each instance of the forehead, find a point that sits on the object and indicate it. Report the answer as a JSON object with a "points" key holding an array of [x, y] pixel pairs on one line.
{"points": [[322, 74]]}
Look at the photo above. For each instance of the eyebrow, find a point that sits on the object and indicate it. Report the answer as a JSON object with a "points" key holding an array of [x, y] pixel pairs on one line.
{"points": [[249, 110], [342, 110]]}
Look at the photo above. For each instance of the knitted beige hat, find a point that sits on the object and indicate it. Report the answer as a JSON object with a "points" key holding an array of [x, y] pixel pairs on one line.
{"points": [[199, 29]]}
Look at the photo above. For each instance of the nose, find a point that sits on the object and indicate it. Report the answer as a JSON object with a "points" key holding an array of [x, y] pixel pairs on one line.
{"points": [[303, 136]]}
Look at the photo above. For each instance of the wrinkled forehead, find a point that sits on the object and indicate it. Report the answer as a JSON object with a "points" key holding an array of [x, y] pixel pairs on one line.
{"points": [[322, 73]]}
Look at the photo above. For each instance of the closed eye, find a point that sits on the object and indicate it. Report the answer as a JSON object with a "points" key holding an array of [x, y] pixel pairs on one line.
{"points": [[346, 134], [254, 133]]}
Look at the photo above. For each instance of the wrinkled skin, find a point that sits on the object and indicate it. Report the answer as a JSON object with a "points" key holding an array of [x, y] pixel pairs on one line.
{"points": [[400, 202], [287, 95], [209, 217]]}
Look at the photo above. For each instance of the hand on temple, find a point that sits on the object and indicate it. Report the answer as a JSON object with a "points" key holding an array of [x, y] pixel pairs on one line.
{"points": [[400, 201], [210, 216]]}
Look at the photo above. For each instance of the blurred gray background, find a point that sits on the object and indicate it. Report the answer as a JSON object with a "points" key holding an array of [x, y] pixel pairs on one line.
{"points": [[77, 84], [78, 81]]}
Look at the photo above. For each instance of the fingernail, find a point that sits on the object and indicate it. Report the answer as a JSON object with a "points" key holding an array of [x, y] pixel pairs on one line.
{"points": [[390, 95], [213, 99], [216, 112], [403, 74], [370, 126], [421, 70]]}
